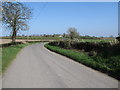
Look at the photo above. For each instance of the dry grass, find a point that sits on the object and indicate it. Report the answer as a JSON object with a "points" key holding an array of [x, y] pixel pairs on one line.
{"points": [[3, 41]]}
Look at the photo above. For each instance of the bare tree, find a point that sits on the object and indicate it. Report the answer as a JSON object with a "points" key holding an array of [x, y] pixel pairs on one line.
{"points": [[15, 16], [72, 33]]}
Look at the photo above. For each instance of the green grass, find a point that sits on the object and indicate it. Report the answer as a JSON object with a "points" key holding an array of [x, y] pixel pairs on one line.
{"points": [[98, 63], [34, 38], [9, 54], [97, 40]]}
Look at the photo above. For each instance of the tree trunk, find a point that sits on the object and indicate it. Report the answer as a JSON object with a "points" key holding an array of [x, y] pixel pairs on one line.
{"points": [[14, 35]]}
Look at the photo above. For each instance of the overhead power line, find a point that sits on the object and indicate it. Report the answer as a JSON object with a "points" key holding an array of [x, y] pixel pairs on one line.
{"points": [[40, 12]]}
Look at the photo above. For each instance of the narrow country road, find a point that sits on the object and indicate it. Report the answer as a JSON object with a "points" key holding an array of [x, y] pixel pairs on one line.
{"points": [[37, 67]]}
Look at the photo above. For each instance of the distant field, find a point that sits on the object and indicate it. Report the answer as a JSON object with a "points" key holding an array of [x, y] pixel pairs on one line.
{"points": [[4, 41], [20, 38], [97, 40], [35, 38]]}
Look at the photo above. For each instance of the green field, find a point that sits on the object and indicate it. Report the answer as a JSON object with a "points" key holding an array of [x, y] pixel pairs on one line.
{"points": [[34, 38], [110, 66], [82, 39], [98, 40]]}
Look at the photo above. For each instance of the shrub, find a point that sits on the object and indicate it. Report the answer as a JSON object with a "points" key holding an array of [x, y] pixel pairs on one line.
{"points": [[104, 49], [92, 53], [9, 44], [111, 65], [118, 38]]}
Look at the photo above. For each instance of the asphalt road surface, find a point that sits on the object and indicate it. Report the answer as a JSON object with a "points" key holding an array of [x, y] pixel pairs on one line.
{"points": [[37, 67]]}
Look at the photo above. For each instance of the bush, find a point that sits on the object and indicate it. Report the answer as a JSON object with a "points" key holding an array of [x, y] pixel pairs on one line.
{"points": [[92, 53], [9, 44], [104, 49], [111, 65], [106, 54], [118, 38]]}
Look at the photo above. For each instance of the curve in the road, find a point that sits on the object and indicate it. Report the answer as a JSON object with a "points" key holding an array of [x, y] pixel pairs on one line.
{"points": [[37, 67]]}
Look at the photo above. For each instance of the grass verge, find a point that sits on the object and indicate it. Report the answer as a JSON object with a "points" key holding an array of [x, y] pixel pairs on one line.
{"points": [[86, 60], [9, 54]]}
